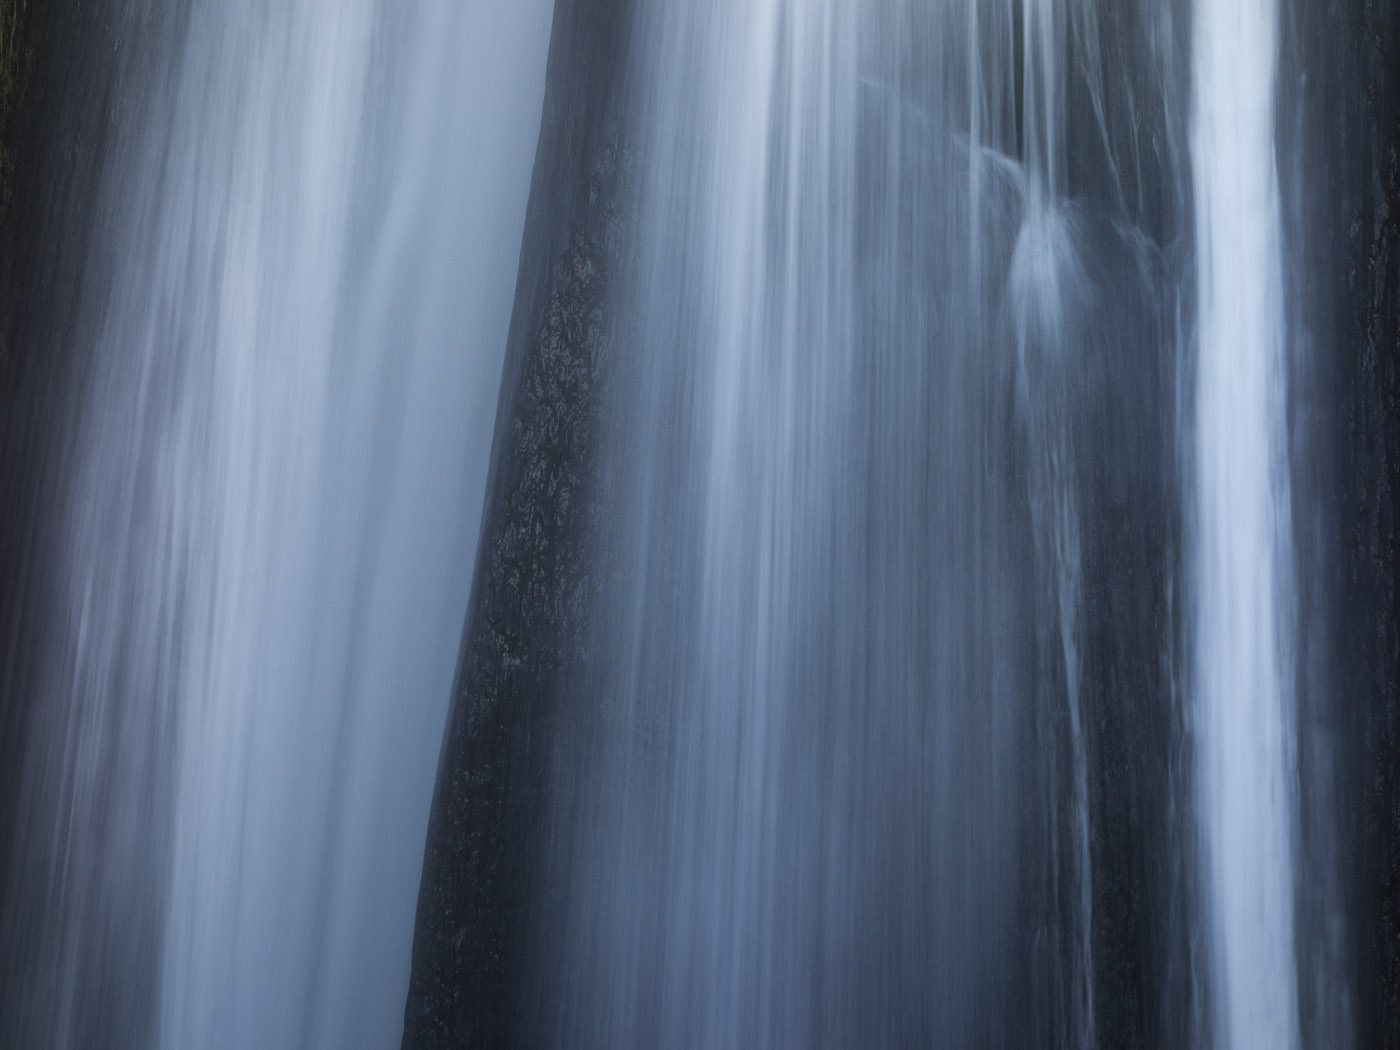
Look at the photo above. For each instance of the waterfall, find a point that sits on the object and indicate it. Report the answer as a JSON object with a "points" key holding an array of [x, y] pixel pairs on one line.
{"points": [[279, 461], [1244, 560], [827, 776], [879, 515]]}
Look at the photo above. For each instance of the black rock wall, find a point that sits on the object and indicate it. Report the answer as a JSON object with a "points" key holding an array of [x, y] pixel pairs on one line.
{"points": [[522, 641], [1339, 172]]}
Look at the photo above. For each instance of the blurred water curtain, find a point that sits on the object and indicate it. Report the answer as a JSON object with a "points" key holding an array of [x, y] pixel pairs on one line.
{"points": [[886, 621], [287, 344], [920, 637]]}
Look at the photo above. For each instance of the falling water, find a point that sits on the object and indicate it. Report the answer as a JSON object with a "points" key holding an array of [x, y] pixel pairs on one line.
{"points": [[894, 557], [278, 470], [1243, 569], [838, 784]]}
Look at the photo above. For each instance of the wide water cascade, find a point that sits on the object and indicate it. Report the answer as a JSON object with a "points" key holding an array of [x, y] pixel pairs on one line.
{"points": [[936, 673], [892, 379], [911, 473]]}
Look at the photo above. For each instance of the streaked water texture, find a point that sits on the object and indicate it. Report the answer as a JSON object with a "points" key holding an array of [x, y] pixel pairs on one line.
{"points": [[1244, 557], [842, 790], [278, 468], [924, 464]]}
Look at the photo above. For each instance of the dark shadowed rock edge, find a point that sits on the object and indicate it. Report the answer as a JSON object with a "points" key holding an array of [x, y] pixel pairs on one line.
{"points": [[524, 619]]}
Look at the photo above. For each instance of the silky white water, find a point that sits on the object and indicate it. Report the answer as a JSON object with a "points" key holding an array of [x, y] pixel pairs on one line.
{"points": [[280, 468], [842, 788], [1243, 568]]}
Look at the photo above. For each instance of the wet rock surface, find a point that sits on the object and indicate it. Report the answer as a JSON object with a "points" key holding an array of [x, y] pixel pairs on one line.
{"points": [[525, 621]]}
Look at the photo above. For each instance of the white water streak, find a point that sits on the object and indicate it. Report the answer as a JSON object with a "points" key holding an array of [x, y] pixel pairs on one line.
{"points": [[1245, 689]]}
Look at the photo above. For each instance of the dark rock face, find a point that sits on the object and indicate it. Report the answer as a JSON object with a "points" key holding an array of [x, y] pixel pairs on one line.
{"points": [[1370, 521], [523, 639], [1339, 172], [16, 60]]}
